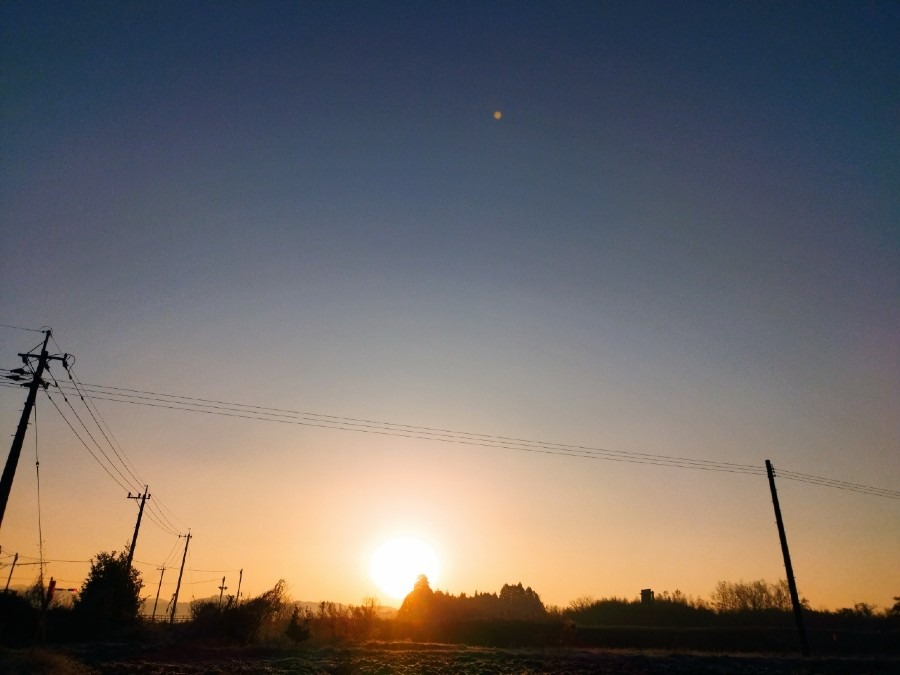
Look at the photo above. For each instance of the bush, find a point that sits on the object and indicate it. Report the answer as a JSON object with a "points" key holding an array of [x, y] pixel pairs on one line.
{"points": [[110, 597], [297, 628], [240, 623], [18, 620]]}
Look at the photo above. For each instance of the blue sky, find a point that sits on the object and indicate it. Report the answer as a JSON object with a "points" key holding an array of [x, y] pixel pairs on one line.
{"points": [[681, 238]]}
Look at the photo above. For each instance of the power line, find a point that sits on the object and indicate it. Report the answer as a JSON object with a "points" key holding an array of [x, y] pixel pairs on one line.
{"points": [[838, 484], [9, 470], [156, 516], [87, 431], [171, 553], [37, 471], [362, 425], [204, 581], [30, 330], [155, 520], [53, 560], [211, 406], [159, 518], [160, 504], [81, 394], [531, 446], [318, 420], [68, 364], [97, 459]]}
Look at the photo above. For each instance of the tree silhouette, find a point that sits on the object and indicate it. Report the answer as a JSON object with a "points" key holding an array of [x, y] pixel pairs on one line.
{"points": [[752, 596], [298, 626], [110, 597], [417, 605], [258, 617], [515, 603], [521, 603], [895, 610]]}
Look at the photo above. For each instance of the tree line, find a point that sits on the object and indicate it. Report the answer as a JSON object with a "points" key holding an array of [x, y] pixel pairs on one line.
{"points": [[513, 602], [110, 600]]}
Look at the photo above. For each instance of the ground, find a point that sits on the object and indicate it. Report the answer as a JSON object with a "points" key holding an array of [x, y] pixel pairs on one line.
{"points": [[428, 659]]}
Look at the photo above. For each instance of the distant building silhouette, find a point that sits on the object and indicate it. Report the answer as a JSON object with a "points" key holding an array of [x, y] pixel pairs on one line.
{"points": [[646, 596]]}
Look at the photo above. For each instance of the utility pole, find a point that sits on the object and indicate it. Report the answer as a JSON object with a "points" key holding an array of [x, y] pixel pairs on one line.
{"points": [[222, 590], [9, 471], [792, 585], [162, 571], [180, 573], [137, 526], [237, 597], [12, 567]]}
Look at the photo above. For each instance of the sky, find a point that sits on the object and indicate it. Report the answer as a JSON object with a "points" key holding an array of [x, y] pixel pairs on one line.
{"points": [[680, 238]]}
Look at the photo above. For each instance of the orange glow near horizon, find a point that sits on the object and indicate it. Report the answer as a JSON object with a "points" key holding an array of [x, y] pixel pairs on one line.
{"points": [[397, 563]]}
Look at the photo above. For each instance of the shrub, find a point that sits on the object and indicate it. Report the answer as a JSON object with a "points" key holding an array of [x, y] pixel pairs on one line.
{"points": [[240, 623], [18, 620], [110, 597]]}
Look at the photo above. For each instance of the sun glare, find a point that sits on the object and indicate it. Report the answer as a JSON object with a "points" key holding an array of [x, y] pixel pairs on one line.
{"points": [[397, 563]]}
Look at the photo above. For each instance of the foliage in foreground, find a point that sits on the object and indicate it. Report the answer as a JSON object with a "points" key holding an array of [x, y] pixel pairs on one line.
{"points": [[40, 661], [242, 623], [110, 597], [739, 616]]}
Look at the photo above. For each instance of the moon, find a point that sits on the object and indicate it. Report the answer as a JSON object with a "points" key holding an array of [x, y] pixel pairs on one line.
{"points": [[396, 564]]}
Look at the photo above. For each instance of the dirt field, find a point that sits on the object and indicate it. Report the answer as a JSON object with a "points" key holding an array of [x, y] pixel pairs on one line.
{"points": [[431, 659]]}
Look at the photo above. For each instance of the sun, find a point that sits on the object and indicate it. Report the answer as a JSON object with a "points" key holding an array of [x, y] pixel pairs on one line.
{"points": [[397, 563]]}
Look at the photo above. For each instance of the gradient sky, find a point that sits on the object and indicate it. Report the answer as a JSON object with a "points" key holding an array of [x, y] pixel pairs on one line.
{"points": [[681, 238]]}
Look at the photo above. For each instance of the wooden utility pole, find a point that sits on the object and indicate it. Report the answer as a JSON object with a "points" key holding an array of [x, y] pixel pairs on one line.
{"points": [[137, 526], [222, 590], [11, 568], [162, 571], [9, 471], [792, 585], [237, 597], [180, 573]]}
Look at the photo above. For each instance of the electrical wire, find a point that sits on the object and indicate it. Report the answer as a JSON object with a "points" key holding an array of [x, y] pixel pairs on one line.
{"points": [[81, 395], [154, 514], [153, 519], [160, 506], [30, 330], [468, 438], [91, 436], [81, 440], [361, 425], [51, 560], [157, 520], [318, 420], [171, 553], [838, 484], [262, 413], [160, 519], [59, 410], [37, 471], [203, 581]]}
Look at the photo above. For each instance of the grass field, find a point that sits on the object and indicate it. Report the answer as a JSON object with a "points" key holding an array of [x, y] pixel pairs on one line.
{"points": [[425, 659]]}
